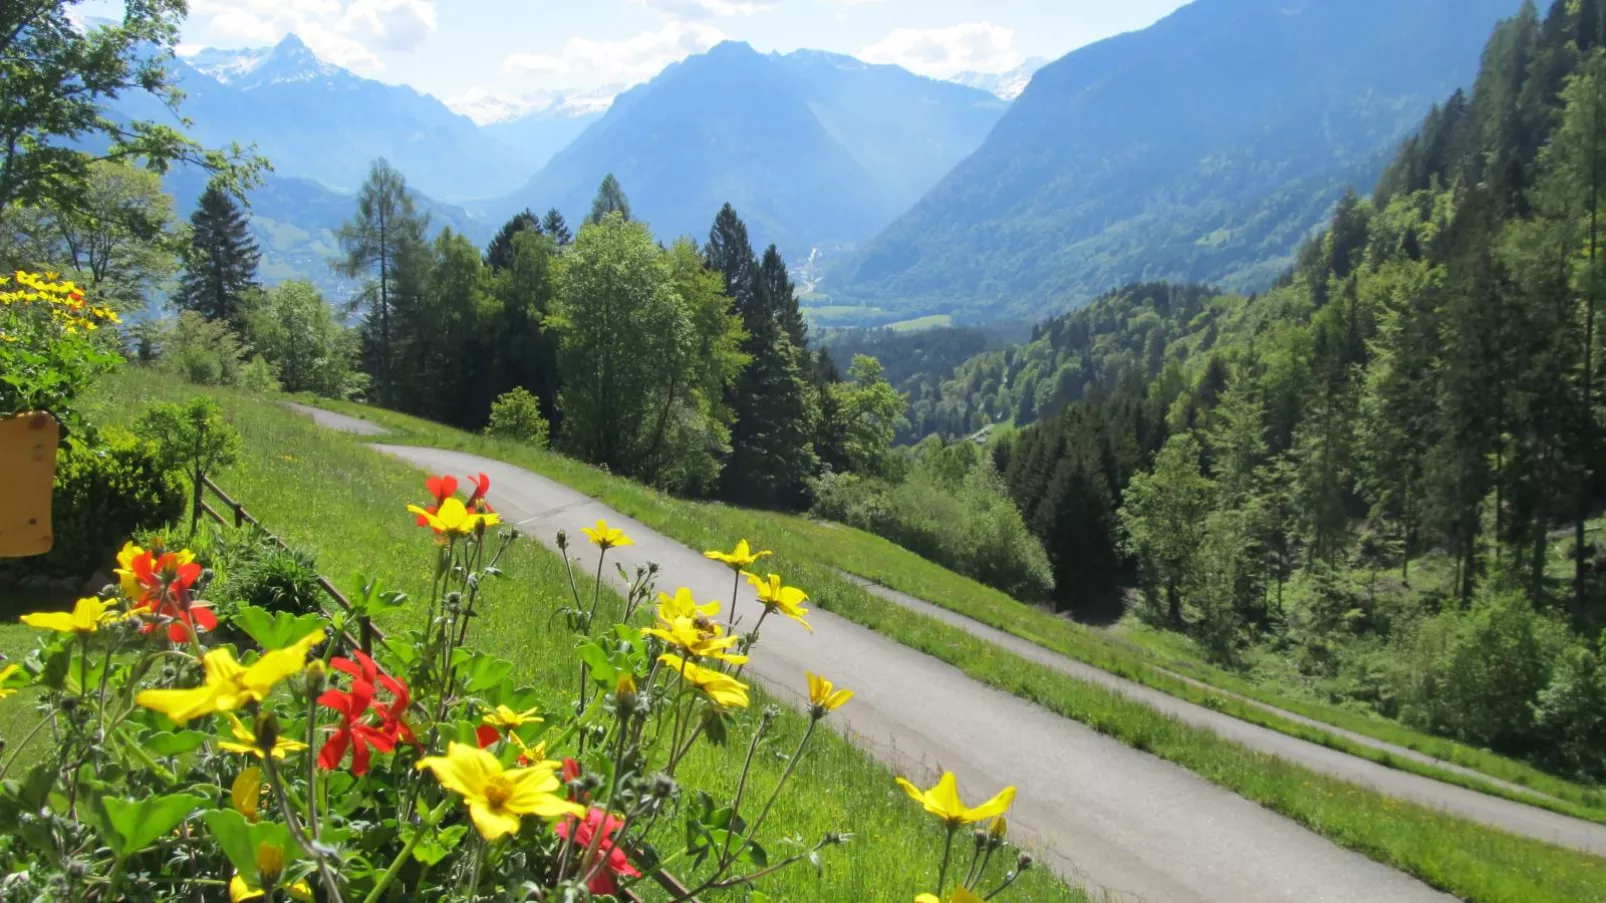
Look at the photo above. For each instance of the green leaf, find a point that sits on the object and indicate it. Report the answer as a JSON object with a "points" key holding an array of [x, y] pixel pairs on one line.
{"points": [[437, 845], [480, 672], [137, 823], [275, 630], [596, 659], [756, 854], [167, 743], [233, 834]]}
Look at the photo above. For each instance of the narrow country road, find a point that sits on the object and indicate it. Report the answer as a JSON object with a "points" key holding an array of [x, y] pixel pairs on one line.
{"points": [[1094, 810], [1541, 824]]}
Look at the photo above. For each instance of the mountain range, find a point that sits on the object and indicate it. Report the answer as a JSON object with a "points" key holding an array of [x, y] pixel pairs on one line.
{"points": [[1205, 148], [811, 148]]}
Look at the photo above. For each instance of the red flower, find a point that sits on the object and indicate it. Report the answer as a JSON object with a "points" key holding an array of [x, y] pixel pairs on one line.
{"points": [[615, 863], [164, 590], [482, 485], [487, 736], [354, 730], [442, 488]]}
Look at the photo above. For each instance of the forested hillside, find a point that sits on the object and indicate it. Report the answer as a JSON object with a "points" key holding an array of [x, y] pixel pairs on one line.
{"points": [[1205, 148], [1378, 477]]}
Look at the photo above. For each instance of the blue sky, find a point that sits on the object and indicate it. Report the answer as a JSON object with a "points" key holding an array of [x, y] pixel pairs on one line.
{"points": [[476, 54]]}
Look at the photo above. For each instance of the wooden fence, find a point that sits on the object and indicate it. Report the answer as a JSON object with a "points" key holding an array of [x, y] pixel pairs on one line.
{"points": [[368, 632]]}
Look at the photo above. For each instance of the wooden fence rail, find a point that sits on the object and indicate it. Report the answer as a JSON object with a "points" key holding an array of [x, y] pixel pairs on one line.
{"points": [[369, 632]]}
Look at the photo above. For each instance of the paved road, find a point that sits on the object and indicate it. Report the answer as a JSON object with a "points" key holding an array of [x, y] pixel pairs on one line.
{"points": [[338, 422], [1517, 818], [1093, 809]]}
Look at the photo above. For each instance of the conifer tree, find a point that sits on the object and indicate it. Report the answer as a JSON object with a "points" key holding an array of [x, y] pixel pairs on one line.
{"points": [[554, 225], [220, 268], [384, 243], [499, 254], [610, 199]]}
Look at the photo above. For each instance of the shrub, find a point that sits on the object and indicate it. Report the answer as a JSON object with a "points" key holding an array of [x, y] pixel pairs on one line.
{"points": [[192, 439], [48, 348], [296, 331], [104, 493], [201, 351], [516, 415], [258, 376]]}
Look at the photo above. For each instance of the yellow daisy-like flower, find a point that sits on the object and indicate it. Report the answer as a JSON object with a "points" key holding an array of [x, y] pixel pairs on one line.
{"points": [[824, 697], [230, 685], [943, 801], [454, 518], [507, 719], [961, 895], [497, 798], [787, 600], [270, 864], [5, 675], [86, 617], [247, 742], [246, 793], [703, 639], [721, 689], [738, 559], [684, 605], [606, 537]]}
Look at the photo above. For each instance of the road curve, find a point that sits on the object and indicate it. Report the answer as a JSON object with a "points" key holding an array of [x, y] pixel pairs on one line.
{"points": [[337, 422], [1096, 811], [1531, 821]]}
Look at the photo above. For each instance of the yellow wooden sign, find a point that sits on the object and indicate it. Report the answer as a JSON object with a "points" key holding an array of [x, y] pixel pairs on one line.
{"points": [[28, 444]]}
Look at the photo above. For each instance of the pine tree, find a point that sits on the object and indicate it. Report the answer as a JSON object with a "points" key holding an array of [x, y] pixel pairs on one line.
{"points": [[384, 242], [729, 252], [775, 285], [554, 225], [499, 254], [610, 199], [220, 269]]}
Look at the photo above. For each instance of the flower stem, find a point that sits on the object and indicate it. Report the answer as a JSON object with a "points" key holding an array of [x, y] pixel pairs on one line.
{"points": [[947, 855], [474, 879]]}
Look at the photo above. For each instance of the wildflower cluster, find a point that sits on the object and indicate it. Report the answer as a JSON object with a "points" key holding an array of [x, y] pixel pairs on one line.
{"points": [[269, 755], [47, 350]]}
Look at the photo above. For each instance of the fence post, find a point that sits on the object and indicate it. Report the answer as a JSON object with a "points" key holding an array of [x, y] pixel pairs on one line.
{"points": [[195, 504]]}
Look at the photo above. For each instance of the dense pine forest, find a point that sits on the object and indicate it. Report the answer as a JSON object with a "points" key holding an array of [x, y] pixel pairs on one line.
{"points": [[1378, 478]]}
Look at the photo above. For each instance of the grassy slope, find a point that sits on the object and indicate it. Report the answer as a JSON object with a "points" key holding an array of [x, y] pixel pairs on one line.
{"points": [[1469, 860], [328, 495]]}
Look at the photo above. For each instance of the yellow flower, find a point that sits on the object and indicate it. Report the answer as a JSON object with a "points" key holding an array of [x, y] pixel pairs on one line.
{"points": [[247, 744], [85, 618], [738, 559], [5, 675], [270, 864], [453, 517], [246, 792], [701, 638], [497, 798], [824, 697], [684, 605], [999, 828], [605, 536], [723, 690], [961, 895], [943, 801], [229, 685], [788, 600], [507, 719]]}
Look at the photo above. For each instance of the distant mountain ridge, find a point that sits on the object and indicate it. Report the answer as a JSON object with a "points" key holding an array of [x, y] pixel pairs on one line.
{"points": [[811, 148], [1202, 149], [1008, 84]]}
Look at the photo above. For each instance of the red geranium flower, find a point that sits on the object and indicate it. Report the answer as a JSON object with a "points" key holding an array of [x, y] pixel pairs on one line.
{"points": [[482, 485], [616, 864], [162, 586], [354, 730], [442, 488]]}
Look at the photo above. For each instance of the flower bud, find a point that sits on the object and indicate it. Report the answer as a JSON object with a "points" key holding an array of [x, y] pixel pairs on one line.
{"points": [[624, 693], [563, 540], [267, 731], [998, 829], [981, 838], [317, 677], [1024, 862]]}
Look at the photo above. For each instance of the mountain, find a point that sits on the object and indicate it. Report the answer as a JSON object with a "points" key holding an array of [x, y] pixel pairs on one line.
{"points": [[1204, 148], [812, 149], [539, 135], [1007, 85], [317, 121]]}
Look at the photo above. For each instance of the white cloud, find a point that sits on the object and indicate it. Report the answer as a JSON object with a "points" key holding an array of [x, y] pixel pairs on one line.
{"points": [[706, 9], [344, 32], [942, 52], [582, 61]]}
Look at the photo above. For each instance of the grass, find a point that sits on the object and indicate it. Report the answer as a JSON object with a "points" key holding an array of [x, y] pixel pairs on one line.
{"points": [[934, 321], [1467, 859], [328, 495]]}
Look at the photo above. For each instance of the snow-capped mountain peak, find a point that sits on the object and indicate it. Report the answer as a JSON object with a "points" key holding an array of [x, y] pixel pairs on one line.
{"points": [[291, 60], [1007, 85]]}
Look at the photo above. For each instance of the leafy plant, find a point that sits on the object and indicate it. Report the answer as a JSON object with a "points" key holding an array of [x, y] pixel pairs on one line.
{"points": [[516, 415]]}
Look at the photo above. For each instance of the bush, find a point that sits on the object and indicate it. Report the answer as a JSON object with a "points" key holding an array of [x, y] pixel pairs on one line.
{"points": [[1571, 713], [516, 415], [201, 351], [296, 331], [258, 376], [258, 571], [967, 525], [104, 493]]}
